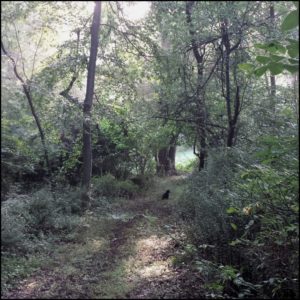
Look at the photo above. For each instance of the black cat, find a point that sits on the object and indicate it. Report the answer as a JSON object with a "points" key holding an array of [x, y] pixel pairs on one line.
{"points": [[166, 195]]}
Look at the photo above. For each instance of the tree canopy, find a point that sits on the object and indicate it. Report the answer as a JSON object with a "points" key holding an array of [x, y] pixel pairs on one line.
{"points": [[97, 102]]}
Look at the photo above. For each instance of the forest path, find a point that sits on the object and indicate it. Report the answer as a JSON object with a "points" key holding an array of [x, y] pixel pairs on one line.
{"points": [[127, 254]]}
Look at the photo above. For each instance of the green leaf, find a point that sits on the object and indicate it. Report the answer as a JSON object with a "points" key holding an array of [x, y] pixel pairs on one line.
{"points": [[231, 210], [246, 67], [275, 68], [291, 21], [293, 42], [261, 46], [275, 46], [263, 59], [293, 50], [260, 71], [296, 3], [276, 58], [233, 226], [292, 68]]}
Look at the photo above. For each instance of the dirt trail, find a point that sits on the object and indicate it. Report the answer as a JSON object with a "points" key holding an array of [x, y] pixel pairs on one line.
{"points": [[125, 255]]}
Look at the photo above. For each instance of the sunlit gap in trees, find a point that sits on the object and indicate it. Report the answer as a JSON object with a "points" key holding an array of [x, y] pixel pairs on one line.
{"points": [[133, 11], [136, 10]]}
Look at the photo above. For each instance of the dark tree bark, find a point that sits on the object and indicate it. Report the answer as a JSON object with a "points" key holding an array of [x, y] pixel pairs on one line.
{"points": [[232, 116], [87, 107], [171, 155], [200, 98], [26, 89], [272, 77], [165, 159], [162, 162]]}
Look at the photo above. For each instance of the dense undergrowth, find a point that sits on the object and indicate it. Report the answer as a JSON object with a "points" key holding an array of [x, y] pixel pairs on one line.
{"points": [[242, 216], [33, 224]]}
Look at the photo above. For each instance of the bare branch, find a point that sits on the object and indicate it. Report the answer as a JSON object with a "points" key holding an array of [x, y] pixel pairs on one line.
{"points": [[35, 53], [21, 53], [65, 93]]}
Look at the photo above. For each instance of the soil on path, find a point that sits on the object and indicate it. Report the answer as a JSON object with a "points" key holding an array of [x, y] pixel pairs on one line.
{"points": [[127, 254]]}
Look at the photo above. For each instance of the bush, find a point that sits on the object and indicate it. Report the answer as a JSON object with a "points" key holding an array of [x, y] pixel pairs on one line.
{"points": [[270, 239], [14, 219], [108, 186], [207, 197], [14, 268], [55, 214], [187, 167], [142, 181], [244, 211], [24, 218]]}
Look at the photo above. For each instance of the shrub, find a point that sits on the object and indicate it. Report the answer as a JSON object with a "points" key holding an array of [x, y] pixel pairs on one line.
{"points": [[108, 186], [206, 198], [24, 218], [127, 189], [104, 185], [243, 211], [69, 201], [270, 239], [142, 181], [187, 167], [14, 217], [55, 214]]}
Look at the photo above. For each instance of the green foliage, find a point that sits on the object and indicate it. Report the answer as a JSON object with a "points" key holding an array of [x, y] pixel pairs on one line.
{"points": [[245, 210], [206, 199], [108, 185], [240, 212], [14, 268], [187, 167], [25, 218], [275, 63], [291, 20], [271, 189], [13, 221]]}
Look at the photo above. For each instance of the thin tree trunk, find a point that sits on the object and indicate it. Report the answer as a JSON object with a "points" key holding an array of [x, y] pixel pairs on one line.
{"points": [[232, 113], [27, 93], [201, 107], [87, 107], [272, 77]]}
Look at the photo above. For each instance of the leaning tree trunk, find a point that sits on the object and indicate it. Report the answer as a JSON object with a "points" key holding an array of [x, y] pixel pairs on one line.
{"points": [[87, 107], [26, 89]]}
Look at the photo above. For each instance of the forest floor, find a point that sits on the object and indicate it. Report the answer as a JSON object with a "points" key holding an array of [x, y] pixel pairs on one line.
{"points": [[129, 253]]}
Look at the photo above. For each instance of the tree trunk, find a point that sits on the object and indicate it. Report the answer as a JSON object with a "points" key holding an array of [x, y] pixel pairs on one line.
{"points": [[272, 77], [232, 113], [171, 156], [27, 93], [200, 99], [162, 162], [165, 159], [87, 107]]}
